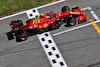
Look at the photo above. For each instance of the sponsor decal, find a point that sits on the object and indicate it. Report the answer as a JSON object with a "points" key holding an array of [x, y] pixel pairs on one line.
{"points": [[36, 20], [45, 25], [40, 27]]}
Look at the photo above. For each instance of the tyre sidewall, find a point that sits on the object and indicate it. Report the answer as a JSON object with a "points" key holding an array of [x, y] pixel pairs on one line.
{"points": [[23, 37], [72, 20]]}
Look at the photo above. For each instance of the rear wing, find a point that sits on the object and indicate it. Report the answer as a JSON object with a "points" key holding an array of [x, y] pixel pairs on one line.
{"points": [[76, 9]]}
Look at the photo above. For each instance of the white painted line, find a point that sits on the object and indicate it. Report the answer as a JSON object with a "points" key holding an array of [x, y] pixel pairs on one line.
{"points": [[51, 50], [89, 8], [92, 12], [31, 9], [50, 4], [74, 28], [12, 15], [94, 15], [32, 13], [3, 63], [86, 8]]}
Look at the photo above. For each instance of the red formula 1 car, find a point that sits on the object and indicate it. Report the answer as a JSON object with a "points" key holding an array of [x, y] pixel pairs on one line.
{"points": [[44, 23]]}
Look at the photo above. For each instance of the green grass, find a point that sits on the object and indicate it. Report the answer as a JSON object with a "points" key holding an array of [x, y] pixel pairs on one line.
{"points": [[8, 7]]}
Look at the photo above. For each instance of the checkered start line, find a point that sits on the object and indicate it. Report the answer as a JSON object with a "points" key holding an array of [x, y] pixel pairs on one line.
{"points": [[51, 50]]}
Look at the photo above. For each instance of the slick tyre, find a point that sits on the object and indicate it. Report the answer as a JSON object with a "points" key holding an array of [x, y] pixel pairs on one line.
{"points": [[23, 36], [57, 24], [65, 8], [72, 22]]}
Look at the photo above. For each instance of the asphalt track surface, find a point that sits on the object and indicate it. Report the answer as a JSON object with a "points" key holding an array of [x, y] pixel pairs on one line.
{"points": [[80, 48]]}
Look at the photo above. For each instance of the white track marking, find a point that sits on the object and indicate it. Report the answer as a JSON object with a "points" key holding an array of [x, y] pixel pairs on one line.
{"points": [[51, 50], [89, 8], [93, 14], [3, 63], [74, 28], [85, 8], [32, 9], [32, 13], [50, 4], [12, 15]]}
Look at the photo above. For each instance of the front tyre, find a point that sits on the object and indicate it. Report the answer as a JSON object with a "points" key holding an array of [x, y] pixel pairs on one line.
{"points": [[57, 24], [72, 21]]}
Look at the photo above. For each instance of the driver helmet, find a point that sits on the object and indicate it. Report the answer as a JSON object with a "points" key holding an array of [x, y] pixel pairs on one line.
{"points": [[41, 15]]}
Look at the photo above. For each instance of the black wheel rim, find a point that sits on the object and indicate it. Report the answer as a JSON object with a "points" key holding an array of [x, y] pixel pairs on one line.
{"points": [[23, 37], [72, 22]]}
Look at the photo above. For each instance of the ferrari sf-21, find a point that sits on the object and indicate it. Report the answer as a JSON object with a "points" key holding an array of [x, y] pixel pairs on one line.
{"points": [[44, 23]]}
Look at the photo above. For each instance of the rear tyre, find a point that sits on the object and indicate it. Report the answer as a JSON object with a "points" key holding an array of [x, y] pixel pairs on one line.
{"points": [[22, 36], [65, 8]]}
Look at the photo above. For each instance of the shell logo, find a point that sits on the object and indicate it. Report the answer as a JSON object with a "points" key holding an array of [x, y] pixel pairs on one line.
{"points": [[40, 27], [45, 25]]}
